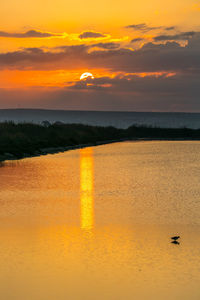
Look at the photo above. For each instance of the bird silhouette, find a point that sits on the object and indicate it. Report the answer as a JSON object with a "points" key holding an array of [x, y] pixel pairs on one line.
{"points": [[175, 238], [175, 243]]}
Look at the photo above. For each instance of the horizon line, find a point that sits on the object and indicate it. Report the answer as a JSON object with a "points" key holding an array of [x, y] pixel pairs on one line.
{"points": [[100, 111]]}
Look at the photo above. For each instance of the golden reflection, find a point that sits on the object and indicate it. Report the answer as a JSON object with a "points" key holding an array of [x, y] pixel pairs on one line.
{"points": [[86, 188]]}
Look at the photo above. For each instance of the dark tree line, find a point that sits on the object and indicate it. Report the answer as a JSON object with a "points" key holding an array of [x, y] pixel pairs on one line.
{"points": [[27, 138]]}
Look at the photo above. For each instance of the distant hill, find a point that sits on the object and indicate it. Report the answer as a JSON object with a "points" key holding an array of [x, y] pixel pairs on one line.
{"points": [[98, 118]]}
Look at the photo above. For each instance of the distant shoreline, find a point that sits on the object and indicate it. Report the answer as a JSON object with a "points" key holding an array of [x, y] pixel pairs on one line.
{"points": [[28, 140], [118, 119], [46, 151], [55, 150], [97, 111]]}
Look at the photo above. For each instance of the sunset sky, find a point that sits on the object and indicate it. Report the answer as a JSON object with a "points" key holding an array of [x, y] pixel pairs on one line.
{"points": [[144, 55]]}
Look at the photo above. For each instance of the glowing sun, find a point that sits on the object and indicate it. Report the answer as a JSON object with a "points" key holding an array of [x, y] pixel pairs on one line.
{"points": [[86, 75]]}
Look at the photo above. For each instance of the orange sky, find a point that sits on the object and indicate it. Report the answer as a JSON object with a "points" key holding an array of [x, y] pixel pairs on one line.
{"points": [[73, 16], [68, 19], [36, 36]]}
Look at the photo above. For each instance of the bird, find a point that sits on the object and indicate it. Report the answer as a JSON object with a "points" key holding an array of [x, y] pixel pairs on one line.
{"points": [[175, 242], [175, 238]]}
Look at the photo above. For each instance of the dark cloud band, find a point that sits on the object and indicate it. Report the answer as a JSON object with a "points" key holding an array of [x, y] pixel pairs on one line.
{"points": [[91, 34], [149, 58], [28, 34]]}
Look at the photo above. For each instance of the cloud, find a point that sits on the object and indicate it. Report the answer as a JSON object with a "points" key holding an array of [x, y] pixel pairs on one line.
{"points": [[123, 92], [176, 37], [29, 34], [108, 46], [143, 27], [133, 93], [137, 40], [170, 28], [180, 87], [129, 83], [151, 57], [91, 34], [37, 58]]}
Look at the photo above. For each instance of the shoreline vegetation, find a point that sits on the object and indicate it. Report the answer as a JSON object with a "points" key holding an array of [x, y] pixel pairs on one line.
{"points": [[27, 139]]}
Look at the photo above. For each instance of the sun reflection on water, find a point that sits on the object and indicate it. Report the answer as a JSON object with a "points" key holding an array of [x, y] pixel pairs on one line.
{"points": [[86, 189]]}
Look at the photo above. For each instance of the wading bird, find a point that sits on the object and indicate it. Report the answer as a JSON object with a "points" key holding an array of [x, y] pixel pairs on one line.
{"points": [[175, 238]]}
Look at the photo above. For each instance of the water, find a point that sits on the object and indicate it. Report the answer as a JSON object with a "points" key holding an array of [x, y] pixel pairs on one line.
{"points": [[116, 119], [96, 223]]}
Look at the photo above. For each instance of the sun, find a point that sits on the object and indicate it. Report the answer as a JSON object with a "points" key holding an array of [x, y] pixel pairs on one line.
{"points": [[86, 75]]}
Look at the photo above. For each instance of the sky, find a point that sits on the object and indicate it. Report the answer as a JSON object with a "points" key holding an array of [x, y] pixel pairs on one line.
{"points": [[143, 55]]}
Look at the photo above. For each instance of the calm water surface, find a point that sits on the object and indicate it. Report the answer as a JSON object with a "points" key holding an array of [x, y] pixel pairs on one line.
{"points": [[96, 224]]}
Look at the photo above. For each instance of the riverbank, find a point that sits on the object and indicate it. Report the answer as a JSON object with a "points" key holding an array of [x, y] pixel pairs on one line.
{"points": [[28, 140], [54, 150]]}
